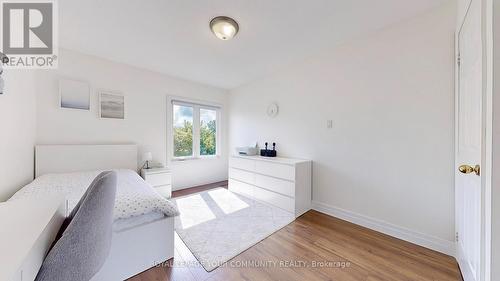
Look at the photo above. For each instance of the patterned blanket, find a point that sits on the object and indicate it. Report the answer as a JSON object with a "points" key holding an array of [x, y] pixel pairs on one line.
{"points": [[134, 197]]}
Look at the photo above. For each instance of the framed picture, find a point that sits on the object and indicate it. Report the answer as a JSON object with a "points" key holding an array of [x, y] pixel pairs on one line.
{"points": [[111, 105], [74, 94]]}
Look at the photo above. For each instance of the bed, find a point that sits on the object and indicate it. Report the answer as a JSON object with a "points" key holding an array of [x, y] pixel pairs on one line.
{"points": [[143, 228]]}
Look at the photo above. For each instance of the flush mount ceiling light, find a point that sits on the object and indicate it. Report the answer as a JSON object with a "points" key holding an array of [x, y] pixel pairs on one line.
{"points": [[224, 28]]}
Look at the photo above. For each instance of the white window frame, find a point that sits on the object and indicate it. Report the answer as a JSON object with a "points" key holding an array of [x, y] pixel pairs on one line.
{"points": [[197, 105]]}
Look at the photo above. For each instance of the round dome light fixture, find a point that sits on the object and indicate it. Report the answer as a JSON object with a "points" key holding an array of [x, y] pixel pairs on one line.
{"points": [[224, 28]]}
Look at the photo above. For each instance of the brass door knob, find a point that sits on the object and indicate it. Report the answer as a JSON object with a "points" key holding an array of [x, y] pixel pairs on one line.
{"points": [[466, 169]]}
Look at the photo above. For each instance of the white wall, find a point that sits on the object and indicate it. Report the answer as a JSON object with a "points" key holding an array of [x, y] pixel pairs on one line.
{"points": [[389, 156], [17, 131], [145, 122]]}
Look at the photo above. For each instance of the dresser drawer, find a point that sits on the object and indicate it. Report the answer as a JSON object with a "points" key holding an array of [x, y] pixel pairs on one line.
{"points": [[241, 188], [242, 175], [276, 170], [275, 199], [244, 164], [284, 187], [159, 179], [164, 190]]}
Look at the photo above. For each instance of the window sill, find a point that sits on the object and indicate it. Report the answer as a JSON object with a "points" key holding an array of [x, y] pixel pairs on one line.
{"points": [[184, 159]]}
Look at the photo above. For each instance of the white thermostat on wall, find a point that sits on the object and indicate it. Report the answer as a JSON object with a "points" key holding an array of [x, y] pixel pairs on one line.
{"points": [[272, 110]]}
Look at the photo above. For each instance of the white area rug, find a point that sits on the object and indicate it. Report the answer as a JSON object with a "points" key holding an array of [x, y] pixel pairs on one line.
{"points": [[217, 225]]}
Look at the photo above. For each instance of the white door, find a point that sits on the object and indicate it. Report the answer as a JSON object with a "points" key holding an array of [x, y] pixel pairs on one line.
{"points": [[468, 203]]}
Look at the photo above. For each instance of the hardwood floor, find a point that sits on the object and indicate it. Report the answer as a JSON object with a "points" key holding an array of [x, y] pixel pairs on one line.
{"points": [[201, 188], [316, 247]]}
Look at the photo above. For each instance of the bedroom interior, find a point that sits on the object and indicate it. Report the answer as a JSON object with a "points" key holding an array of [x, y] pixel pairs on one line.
{"points": [[249, 140]]}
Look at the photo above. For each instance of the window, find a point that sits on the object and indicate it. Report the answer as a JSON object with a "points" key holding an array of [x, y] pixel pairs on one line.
{"points": [[183, 130], [208, 131], [194, 130]]}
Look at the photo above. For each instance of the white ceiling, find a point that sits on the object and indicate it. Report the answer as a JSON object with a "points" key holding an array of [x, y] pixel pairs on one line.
{"points": [[173, 37]]}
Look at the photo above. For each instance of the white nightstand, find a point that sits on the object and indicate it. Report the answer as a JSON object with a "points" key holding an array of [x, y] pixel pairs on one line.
{"points": [[160, 179]]}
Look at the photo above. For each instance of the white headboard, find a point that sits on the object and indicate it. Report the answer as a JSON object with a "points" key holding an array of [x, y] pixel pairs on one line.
{"points": [[74, 158]]}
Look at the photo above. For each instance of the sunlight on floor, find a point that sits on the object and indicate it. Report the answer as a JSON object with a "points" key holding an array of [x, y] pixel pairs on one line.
{"points": [[194, 210], [227, 201]]}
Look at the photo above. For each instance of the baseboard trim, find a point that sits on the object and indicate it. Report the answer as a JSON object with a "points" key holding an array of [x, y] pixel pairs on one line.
{"points": [[190, 190], [424, 240]]}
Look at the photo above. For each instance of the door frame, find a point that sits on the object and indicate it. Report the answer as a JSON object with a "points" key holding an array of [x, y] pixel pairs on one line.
{"points": [[486, 129]]}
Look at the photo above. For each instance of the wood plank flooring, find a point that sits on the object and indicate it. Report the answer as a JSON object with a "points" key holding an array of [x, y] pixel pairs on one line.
{"points": [[315, 247], [201, 188]]}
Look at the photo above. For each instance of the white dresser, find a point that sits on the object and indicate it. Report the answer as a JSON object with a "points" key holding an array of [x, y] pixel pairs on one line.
{"points": [[281, 182]]}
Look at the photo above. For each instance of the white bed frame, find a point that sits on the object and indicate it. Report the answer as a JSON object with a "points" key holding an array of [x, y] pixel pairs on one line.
{"points": [[132, 250]]}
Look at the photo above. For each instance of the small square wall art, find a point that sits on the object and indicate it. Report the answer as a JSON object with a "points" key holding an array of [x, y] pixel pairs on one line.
{"points": [[111, 105], [74, 94]]}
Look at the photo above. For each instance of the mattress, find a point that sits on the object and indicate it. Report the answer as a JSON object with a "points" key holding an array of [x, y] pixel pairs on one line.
{"points": [[120, 225], [136, 201]]}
